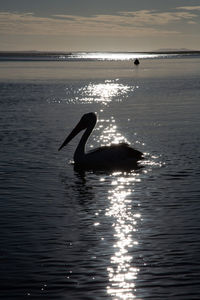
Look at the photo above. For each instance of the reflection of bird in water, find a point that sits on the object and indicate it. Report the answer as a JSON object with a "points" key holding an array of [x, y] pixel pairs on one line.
{"points": [[115, 157]]}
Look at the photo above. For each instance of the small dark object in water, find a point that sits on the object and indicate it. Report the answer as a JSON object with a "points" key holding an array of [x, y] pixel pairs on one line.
{"points": [[136, 62]]}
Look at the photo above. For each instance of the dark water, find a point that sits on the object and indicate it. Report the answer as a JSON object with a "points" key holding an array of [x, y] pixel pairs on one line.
{"points": [[70, 235]]}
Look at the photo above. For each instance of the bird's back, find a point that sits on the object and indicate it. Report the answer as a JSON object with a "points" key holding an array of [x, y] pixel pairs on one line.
{"points": [[115, 157], [122, 150]]}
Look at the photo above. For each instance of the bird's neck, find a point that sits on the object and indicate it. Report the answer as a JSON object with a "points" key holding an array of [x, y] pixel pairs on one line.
{"points": [[80, 150]]}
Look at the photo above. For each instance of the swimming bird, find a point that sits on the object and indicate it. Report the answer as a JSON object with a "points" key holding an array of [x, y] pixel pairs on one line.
{"points": [[136, 62], [114, 157]]}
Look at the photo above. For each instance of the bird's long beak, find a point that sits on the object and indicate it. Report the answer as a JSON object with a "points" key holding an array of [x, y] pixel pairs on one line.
{"points": [[74, 132]]}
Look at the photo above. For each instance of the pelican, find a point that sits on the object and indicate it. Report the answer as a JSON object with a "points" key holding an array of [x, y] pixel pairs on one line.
{"points": [[113, 157]]}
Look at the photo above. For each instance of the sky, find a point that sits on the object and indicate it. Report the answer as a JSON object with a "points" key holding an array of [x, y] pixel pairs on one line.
{"points": [[104, 25]]}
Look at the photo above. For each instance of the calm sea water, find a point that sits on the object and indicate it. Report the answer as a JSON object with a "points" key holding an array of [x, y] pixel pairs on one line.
{"points": [[69, 235]]}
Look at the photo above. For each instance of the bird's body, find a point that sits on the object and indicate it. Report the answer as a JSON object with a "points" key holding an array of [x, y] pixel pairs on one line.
{"points": [[136, 62], [113, 157]]}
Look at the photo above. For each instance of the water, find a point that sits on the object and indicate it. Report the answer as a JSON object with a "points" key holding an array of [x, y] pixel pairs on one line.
{"points": [[70, 235], [92, 56]]}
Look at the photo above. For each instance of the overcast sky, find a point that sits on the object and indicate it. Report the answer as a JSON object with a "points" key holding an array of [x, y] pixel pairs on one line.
{"points": [[104, 25]]}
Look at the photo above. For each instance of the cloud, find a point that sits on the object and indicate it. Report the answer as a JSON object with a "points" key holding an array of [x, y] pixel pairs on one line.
{"points": [[126, 24], [195, 8], [154, 18]]}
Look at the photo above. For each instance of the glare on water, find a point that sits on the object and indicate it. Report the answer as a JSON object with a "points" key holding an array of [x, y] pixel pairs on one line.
{"points": [[113, 56], [104, 93], [122, 272]]}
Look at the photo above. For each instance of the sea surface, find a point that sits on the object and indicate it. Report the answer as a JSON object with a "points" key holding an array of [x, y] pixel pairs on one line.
{"points": [[70, 235]]}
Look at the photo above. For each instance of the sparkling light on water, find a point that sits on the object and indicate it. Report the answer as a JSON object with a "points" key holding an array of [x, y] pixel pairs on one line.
{"points": [[113, 56], [104, 92], [122, 272], [109, 133], [95, 92]]}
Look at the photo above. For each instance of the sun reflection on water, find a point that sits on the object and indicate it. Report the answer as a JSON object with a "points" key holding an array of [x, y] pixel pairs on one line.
{"points": [[104, 92], [95, 92], [122, 272], [108, 132], [114, 56], [122, 269], [124, 214]]}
